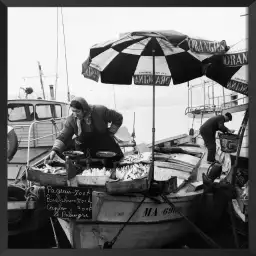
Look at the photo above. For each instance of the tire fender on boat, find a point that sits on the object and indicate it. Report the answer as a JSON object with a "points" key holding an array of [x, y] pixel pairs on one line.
{"points": [[12, 143]]}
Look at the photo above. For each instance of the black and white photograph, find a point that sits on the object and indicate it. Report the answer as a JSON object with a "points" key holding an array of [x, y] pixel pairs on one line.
{"points": [[128, 127]]}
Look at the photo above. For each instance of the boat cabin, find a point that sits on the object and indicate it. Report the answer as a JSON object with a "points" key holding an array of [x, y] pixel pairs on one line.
{"points": [[208, 99], [22, 113], [36, 123]]}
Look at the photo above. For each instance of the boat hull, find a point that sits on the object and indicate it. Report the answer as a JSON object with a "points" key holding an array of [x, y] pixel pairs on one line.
{"points": [[142, 231], [135, 235]]}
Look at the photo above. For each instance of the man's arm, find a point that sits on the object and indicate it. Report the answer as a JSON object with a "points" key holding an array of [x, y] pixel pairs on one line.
{"points": [[222, 127]]}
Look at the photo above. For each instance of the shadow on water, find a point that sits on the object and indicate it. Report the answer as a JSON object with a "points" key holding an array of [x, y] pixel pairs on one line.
{"points": [[221, 234], [44, 238], [40, 239]]}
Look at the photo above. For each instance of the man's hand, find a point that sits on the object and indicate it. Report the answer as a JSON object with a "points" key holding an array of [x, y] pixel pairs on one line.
{"points": [[50, 156]]}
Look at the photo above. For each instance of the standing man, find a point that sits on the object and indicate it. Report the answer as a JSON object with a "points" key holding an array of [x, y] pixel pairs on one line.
{"points": [[208, 131], [90, 124]]}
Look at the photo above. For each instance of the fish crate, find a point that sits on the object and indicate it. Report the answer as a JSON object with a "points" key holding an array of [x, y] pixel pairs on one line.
{"points": [[229, 142], [42, 178], [120, 187], [94, 176], [129, 181]]}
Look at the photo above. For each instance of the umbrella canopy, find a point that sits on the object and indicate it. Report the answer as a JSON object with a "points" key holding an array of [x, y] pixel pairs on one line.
{"points": [[150, 58], [129, 59], [230, 69]]}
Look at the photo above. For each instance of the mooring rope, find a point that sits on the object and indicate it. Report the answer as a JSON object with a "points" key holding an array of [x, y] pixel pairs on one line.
{"points": [[109, 245]]}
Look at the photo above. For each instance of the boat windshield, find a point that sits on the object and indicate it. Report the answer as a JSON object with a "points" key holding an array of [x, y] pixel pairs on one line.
{"points": [[19, 112], [47, 111]]}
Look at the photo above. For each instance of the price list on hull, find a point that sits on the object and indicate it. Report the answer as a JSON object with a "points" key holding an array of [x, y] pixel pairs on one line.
{"points": [[69, 202]]}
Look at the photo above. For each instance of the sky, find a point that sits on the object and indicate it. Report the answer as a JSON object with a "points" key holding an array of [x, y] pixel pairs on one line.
{"points": [[32, 37]]}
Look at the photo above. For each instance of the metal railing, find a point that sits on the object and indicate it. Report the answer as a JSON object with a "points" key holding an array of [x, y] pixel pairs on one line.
{"points": [[220, 106], [235, 102], [50, 121], [202, 109]]}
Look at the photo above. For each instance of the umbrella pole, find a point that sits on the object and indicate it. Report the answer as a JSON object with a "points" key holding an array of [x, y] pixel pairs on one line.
{"points": [[153, 126]]}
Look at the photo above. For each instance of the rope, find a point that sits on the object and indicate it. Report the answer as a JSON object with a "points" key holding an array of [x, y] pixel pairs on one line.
{"points": [[30, 196], [199, 231], [54, 234], [108, 245]]}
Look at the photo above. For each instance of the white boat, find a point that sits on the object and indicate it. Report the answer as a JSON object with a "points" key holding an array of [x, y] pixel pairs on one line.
{"points": [[217, 100], [35, 134], [133, 220], [214, 99]]}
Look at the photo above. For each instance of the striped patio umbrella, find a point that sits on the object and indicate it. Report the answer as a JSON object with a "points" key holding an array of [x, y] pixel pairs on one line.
{"points": [[230, 69], [130, 58], [150, 58]]}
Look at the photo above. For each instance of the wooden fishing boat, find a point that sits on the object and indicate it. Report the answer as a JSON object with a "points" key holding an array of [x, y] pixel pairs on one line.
{"points": [[35, 124], [218, 100], [129, 213]]}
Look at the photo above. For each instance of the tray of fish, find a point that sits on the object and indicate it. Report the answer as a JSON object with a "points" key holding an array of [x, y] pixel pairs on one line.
{"points": [[132, 171], [94, 176], [136, 158], [129, 179], [47, 175]]}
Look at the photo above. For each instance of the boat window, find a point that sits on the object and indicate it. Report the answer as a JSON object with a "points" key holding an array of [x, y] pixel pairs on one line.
{"points": [[58, 110], [46, 111], [43, 111], [19, 112], [69, 111]]}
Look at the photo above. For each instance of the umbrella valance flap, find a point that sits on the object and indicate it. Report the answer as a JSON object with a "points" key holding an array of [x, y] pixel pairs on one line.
{"points": [[230, 69]]}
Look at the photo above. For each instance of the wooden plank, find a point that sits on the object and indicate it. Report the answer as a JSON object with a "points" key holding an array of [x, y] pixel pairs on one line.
{"points": [[174, 166], [168, 139], [160, 172], [46, 178], [22, 205], [192, 149], [184, 158]]}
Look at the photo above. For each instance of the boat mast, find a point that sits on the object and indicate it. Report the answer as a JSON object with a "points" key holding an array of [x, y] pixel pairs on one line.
{"points": [[114, 96], [57, 58], [68, 92], [188, 94], [204, 94], [223, 90], [41, 79]]}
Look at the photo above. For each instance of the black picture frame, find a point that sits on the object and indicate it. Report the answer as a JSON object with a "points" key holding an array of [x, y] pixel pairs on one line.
{"points": [[4, 4]]}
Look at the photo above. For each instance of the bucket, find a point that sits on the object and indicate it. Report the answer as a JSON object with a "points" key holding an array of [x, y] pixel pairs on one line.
{"points": [[229, 142]]}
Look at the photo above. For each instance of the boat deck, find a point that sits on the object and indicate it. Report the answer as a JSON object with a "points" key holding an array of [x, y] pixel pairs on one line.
{"points": [[21, 155]]}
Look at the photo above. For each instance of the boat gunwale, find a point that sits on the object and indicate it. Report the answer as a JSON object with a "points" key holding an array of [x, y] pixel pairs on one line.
{"points": [[98, 222], [138, 197]]}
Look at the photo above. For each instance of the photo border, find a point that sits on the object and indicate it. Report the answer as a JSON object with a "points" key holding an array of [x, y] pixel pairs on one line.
{"points": [[4, 4]]}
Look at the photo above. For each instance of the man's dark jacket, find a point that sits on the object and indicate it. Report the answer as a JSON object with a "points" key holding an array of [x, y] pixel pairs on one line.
{"points": [[213, 124]]}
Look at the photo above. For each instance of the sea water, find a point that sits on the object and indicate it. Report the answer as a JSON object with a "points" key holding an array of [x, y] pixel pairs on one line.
{"points": [[169, 121]]}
